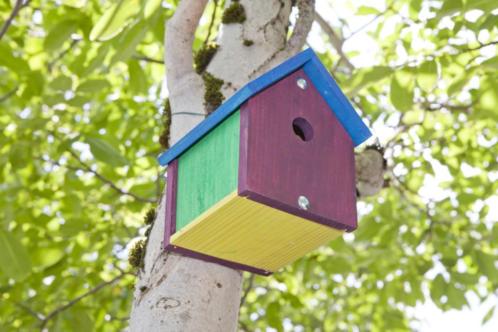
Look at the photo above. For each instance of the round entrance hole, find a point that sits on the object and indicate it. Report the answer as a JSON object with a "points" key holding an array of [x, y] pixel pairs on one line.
{"points": [[303, 129]]}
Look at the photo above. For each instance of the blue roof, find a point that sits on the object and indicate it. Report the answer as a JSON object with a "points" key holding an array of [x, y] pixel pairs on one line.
{"points": [[317, 73]]}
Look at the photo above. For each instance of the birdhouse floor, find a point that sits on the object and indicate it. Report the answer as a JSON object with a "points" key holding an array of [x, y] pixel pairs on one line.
{"points": [[252, 234]]}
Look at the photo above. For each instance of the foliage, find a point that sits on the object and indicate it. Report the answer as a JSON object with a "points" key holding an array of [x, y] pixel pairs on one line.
{"points": [[80, 122], [235, 13]]}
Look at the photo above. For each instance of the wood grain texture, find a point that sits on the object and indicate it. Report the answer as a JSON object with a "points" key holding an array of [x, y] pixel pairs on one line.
{"points": [[208, 171], [277, 166], [171, 188], [240, 230]]}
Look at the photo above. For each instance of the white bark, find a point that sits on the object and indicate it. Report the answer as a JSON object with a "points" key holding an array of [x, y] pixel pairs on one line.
{"points": [[176, 293]]}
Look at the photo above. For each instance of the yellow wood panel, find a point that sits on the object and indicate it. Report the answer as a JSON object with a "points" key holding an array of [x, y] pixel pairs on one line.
{"points": [[243, 231]]}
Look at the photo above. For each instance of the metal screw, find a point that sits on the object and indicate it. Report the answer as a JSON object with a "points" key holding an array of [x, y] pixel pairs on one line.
{"points": [[301, 83], [303, 202]]}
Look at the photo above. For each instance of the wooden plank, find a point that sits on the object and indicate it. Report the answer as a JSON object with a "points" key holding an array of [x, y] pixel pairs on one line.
{"points": [[240, 230], [208, 171], [277, 166], [317, 73], [171, 189]]}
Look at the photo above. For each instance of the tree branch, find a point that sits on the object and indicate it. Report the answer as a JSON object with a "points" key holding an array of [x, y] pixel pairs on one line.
{"points": [[179, 39], [8, 94], [480, 46], [247, 290], [111, 184], [336, 41], [68, 305], [211, 23], [186, 88], [86, 168], [17, 7], [147, 59], [303, 25]]}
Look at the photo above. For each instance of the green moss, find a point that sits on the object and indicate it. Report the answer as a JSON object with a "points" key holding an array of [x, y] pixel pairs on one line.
{"points": [[137, 254], [248, 42], [164, 137], [212, 95], [235, 13], [150, 216], [204, 56]]}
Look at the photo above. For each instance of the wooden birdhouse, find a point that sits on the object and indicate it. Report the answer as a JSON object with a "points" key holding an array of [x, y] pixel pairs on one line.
{"points": [[270, 175]]}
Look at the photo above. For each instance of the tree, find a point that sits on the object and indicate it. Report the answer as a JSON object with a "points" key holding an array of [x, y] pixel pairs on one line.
{"points": [[79, 100]]}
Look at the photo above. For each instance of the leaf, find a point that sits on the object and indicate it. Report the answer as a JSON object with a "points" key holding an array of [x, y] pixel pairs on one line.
{"points": [[93, 86], [487, 265], [47, 257], [456, 297], [105, 152], [488, 315], [401, 94], [273, 315], [438, 288], [367, 77], [365, 10], [61, 83], [16, 64], [14, 259], [427, 75], [126, 45], [59, 34], [138, 80], [114, 20], [491, 63], [151, 6]]}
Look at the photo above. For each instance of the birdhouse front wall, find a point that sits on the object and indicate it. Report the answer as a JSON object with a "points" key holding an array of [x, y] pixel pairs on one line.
{"points": [[234, 196], [294, 146]]}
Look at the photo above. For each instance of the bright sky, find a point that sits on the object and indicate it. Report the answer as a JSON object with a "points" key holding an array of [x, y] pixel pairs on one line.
{"points": [[431, 318]]}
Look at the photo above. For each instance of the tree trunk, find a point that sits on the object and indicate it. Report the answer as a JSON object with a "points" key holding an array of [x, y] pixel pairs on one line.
{"points": [[176, 293]]}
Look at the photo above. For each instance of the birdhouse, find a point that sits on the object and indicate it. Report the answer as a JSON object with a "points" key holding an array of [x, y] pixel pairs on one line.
{"points": [[270, 175]]}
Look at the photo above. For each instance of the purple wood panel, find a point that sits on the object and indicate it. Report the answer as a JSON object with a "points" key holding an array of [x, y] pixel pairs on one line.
{"points": [[171, 185], [211, 259], [277, 166]]}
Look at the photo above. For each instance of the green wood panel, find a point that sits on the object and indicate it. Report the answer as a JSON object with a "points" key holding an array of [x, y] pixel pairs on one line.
{"points": [[208, 171]]}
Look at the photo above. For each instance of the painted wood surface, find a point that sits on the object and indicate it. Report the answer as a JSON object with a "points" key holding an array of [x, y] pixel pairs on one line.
{"points": [[208, 171], [240, 230], [277, 166], [171, 189], [308, 60]]}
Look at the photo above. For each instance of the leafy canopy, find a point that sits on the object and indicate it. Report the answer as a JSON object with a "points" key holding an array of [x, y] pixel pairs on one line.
{"points": [[80, 120]]}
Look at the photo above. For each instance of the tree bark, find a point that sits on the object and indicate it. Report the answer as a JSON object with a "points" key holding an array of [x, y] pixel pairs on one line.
{"points": [[176, 293]]}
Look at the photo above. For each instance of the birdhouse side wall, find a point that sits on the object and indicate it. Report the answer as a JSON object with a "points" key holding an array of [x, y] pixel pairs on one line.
{"points": [[208, 171]]}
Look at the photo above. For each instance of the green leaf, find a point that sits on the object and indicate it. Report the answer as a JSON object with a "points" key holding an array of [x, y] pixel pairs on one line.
{"points": [[151, 6], [427, 75], [488, 315], [93, 86], [14, 259], [487, 265], [273, 315], [138, 80], [105, 152], [456, 297], [59, 34], [61, 83], [438, 289], [114, 20], [401, 94], [365, 10], [46, 257], [126, 45], [368, 77]]}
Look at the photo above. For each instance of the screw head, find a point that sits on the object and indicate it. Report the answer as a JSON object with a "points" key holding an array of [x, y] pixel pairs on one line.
{"points": [[301, 83], [303, 202]]}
